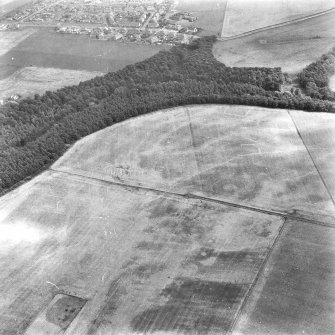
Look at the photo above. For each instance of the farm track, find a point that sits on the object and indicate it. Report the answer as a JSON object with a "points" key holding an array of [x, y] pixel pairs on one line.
{"points": [[273, 26], [199, 197]]}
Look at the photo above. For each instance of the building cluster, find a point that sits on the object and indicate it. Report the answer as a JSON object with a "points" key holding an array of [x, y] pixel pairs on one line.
{"points": [[9, 26], [143, 21], [123, 34]]}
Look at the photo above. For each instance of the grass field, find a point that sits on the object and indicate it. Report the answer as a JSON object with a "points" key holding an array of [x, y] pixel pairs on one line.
{"points": [[31, 80], [209, 12], [248, 155], [46, 48], [296, 293], [245, 15], [142, 261], [290, 47]]}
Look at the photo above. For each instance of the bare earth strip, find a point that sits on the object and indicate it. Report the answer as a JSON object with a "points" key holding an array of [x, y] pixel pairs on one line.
{"points": [[142, 261], [296, 293], [247, 155], [32, 80]]}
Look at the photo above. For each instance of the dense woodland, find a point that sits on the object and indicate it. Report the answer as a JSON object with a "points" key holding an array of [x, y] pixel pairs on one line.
{"points": [[35, 132], [315, 77]]}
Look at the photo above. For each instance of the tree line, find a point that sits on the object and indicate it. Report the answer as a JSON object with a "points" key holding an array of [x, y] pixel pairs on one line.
{"points": [[314, 79], [36, 131]]}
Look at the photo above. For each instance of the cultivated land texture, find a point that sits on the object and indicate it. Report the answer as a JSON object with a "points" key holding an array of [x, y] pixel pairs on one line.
{"points": [[34, 80], [245, 15], [46, 48], [248, 155], [296, 293], [291, 47], [96, 246], [10, 39]]}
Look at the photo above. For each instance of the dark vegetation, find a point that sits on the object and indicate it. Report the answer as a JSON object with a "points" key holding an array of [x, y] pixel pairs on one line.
{"points": [[314, 78], [35, 132]]}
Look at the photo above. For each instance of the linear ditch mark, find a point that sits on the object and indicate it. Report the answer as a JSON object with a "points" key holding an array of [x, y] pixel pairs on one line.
{"points": [[311, 157], [194, 146], [201, 198], [277, 25], [259, 273]]}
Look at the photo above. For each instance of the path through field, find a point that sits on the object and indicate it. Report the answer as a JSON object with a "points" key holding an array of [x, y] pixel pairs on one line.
{"points": [[207, 219]]}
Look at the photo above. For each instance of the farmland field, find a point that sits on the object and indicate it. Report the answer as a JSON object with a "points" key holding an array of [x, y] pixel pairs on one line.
{"points": [[245, 15], [248, 155], [46, 48], [290, 47], [318, 134], [296, 293], [142, 261], [10, 39], [210, 14], [31, 80], [109, 240]]}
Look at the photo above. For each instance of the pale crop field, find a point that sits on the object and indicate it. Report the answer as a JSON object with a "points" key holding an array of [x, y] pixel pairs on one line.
{"points": [[10, 39], [291, 47], [296, 293], [36, 80], [110, 240], [245, 15], [247, 155], [318, 134], [142, 261]]}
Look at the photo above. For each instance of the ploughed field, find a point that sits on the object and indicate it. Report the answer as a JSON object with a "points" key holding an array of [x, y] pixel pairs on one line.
{"points": [[165, 224]]}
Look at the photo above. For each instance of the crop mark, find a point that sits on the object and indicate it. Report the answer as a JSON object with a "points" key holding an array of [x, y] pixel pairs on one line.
{"points": [[193, 307]]}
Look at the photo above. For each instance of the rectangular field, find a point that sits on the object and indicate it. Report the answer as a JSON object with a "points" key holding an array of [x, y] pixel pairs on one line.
{"points": [[46, 48], [246, 15], [36, 80], [296, 292], [142, 262], [290, 47]]}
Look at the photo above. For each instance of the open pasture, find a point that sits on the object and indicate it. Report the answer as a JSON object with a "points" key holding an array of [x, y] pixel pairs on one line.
{"points": [[46, 48], [31, 80], [247, 155], [291, 47], [126, 261], [245, 15], [210, 14]]}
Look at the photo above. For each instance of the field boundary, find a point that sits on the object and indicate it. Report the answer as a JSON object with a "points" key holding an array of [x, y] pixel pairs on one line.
{"points": [[276, 25], [258, 275], [311, 157], [198, 197]]}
